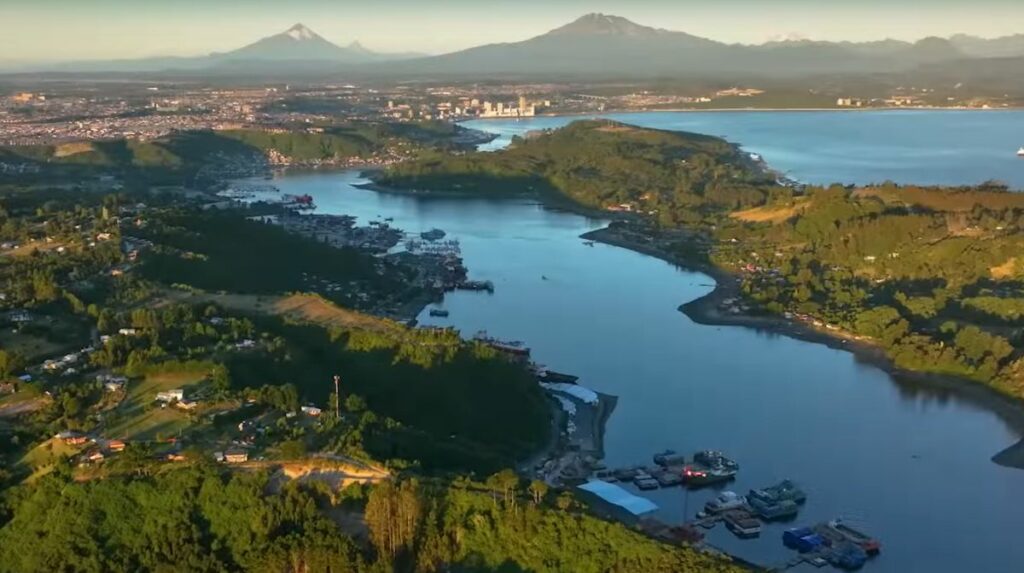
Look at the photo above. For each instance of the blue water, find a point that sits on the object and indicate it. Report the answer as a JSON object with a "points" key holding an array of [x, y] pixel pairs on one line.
{"points": [[906, 146], [906, 462]]}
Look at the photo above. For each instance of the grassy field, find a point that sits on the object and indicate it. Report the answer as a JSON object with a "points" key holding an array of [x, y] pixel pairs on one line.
{"points": [[774, 214], [20, 402], [299, 307], [31, 347], [41, 459], [137, 418]]}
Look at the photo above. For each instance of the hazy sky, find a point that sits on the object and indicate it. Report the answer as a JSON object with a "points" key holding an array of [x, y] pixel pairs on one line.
{"points": [[46, 30]]}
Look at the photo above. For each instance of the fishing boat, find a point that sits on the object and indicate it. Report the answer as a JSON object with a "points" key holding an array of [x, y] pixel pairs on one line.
{"points": [[725, 501], [783, 509], [715, 459], [784, 490], [698, 476], [438, 312], [660, 457], [432, 235], [865, 541], [1020, 152]]}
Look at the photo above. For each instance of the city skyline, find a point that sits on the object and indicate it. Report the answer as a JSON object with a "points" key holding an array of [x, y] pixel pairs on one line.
{"points": [[62, 30]]}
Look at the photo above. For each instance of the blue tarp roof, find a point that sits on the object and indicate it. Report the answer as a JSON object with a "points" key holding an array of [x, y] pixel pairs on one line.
{"points": [[616, 495]]}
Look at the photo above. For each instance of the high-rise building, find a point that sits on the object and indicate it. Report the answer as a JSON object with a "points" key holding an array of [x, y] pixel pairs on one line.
{"points": [[522, 103]]}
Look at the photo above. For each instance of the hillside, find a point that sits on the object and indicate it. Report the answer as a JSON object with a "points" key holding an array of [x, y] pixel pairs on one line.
{"points": [[601, 164]]}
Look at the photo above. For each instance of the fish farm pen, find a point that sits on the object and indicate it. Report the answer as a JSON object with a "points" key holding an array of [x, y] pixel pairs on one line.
{"points": [[834, 543]]}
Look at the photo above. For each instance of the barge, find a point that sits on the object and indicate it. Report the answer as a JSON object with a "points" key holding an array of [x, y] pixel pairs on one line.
{"points": [[742, 523]]}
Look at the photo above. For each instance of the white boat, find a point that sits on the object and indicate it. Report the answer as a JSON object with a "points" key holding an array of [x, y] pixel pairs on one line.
{"points": [[1020, 152], [725, 501]]}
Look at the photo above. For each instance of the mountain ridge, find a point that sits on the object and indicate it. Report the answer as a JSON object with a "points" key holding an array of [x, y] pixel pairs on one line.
{"points": [[593, 45]]}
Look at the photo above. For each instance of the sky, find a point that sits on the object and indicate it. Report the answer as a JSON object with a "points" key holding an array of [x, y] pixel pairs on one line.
{"points": [[63, 30]]}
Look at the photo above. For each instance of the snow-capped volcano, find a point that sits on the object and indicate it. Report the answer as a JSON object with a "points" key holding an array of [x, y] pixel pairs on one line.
{"points": [[295, 43], [301, 32]]}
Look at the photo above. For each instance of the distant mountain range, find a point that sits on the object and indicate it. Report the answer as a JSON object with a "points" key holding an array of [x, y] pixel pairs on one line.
{"points": [[593, 46], [603, 45], [297, 47]]}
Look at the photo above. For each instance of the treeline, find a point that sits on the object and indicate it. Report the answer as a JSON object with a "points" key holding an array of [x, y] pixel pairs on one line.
{"points": [[200, 519], [218, 251], [423, 397], [932, 275]]}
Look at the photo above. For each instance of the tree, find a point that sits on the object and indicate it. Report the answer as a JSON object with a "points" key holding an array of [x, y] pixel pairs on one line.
{"points": [[507, 482], [538, 489], [220, 376], [293, 449], [10, 363], [393, 513]]}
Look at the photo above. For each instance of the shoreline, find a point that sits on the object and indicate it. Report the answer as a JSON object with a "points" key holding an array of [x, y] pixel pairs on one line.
{"points": [[704, 311], [740, 109]]}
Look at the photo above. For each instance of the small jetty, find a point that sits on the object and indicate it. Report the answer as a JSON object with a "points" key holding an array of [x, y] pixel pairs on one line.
{"points": [[487, 286], [671, 469], [552, 377], [513, 348]]}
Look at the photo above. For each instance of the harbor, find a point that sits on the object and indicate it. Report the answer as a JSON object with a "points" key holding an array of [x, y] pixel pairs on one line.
{"points": [[782, 408]]}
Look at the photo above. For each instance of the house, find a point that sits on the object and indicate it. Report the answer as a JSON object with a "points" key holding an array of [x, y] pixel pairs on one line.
{"points": [[236, 456], [218, 456], [311, 411], [168, 396], [19, 316], [115, 445], [72, 438], [175, 457], [127, 332], [187, 404], [94, 456]]}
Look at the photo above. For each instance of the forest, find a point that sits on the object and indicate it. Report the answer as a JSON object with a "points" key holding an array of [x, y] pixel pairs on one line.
{"points": [[200, 518], [602, 164]]}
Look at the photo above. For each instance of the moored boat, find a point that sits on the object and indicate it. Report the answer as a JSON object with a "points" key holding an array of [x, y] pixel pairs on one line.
{"points": [[438, 312], [697, 476], [865, 541], [715, 460], [783, 509], [782, 491], [725, 501], [1020, 152], [742, 524]]}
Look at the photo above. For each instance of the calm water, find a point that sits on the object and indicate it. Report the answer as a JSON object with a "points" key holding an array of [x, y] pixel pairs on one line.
{"points": [[909, 464], [906, 146]]}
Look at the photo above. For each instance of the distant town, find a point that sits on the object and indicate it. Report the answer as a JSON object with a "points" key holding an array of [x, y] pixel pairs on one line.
{"points": [[79, 111]]}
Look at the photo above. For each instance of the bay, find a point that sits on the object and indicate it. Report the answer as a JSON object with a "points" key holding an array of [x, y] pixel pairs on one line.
{"points": [[909, 463]]}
